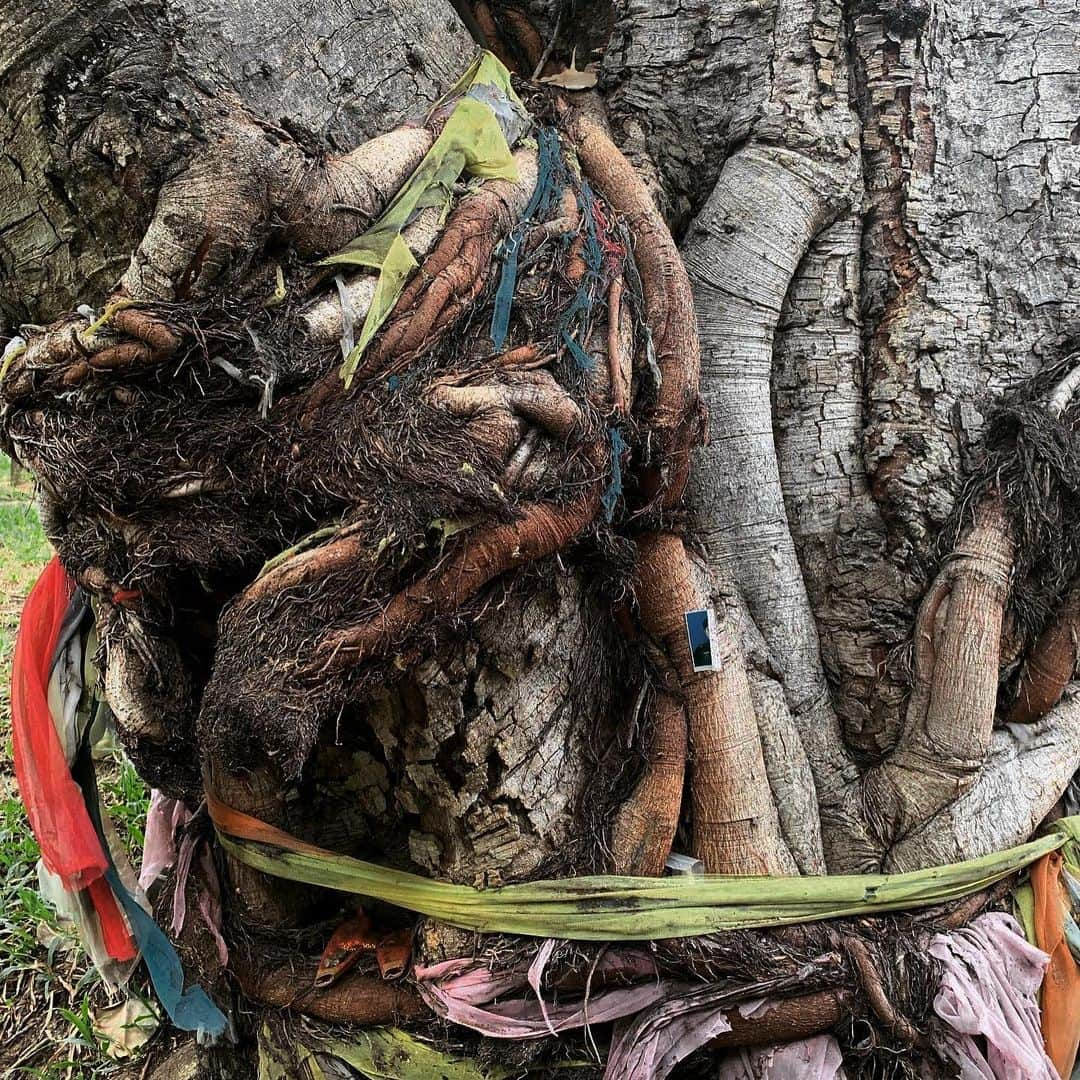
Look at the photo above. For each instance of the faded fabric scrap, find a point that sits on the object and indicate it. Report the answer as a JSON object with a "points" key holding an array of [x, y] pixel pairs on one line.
{"points": [[816, 1058], [658, 1022], [989, 991], [649, 1046], [508, 1004], [164, 816], [160, 853]]}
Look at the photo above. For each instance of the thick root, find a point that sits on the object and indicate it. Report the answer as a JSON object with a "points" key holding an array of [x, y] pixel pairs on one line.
{"points": [[733, 826], [951, 711], [260, 793], [354, 999], [645, 825], [325, 203], [1051, 666], [532, 395], [791, 1019], [214, 218], [490, 551], [325, 317], [454, 273], [70, 351], [58, 349], [344, 550]]}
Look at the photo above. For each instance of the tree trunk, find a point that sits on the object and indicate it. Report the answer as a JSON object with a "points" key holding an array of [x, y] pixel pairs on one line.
{"points": [[875, 208]]}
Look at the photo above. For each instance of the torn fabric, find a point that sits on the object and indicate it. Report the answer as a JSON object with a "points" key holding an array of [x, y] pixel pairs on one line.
{"points": [[815, 1058], [988, 997], [508, 1004]]}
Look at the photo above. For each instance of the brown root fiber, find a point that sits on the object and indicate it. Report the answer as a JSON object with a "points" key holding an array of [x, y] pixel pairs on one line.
{"points": [[871, 986]]}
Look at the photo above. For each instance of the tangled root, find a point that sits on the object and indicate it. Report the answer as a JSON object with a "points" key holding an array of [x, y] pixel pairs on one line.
{"points": [[676, 417], [454, 273], [539, 531]]}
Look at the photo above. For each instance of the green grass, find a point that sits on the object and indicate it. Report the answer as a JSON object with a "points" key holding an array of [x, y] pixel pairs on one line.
{"points": [[48, 989], [23, 551]]}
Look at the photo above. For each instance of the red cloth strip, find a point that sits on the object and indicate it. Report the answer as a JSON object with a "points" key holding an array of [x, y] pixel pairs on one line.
{"points": [[70, 846]]}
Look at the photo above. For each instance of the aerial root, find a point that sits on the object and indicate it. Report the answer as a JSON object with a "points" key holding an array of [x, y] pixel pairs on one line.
{"points": [[729, 792], [677, 419], [326, 203], [154, 340], [873, 989], [489, 551], [566, 224], [646, 822], [522, 358], [620, 349], [124, 338], [950, 712], [1051, 665], [961, 618], [344, 550], [533, 395]]}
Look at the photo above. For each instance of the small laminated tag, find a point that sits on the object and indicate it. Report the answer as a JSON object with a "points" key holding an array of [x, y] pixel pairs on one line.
{"points": [[683, 865], [701, 634]]}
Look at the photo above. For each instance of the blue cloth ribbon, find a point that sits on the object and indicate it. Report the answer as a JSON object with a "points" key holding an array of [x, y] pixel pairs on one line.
{"points": [[614, 488], [189, 1010], [575, 316], [545, 196]]}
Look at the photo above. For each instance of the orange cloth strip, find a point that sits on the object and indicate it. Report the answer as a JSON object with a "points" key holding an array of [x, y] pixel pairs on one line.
{"points": [[245, 827], [1061, 985]]}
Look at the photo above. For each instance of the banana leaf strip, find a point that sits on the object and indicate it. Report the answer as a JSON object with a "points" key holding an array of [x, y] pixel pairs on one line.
{"points": [[486, 117], [608, 908]]}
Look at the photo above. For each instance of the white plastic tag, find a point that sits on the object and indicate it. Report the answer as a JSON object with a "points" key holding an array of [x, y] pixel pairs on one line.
{"points": [[683, 865]]}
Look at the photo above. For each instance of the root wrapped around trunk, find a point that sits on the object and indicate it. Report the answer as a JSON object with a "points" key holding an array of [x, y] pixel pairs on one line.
{"points": [[541, 530], [950, 717], [454, 273], [676, 416]]}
